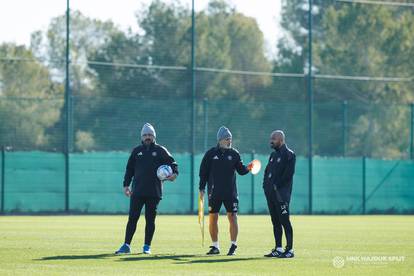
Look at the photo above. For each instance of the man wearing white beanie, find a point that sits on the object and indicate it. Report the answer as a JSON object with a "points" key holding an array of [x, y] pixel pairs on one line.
{"points": [[218, 169], [146, 190]]}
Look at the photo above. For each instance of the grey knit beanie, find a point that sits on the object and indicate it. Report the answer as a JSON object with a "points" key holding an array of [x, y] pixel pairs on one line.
{"points": [[223, 133], [148, 129]]}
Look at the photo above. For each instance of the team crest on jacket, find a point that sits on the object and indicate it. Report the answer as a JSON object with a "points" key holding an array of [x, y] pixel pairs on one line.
{"points": [[229, 157], [154, 153], [139, 153], [271, 159]]}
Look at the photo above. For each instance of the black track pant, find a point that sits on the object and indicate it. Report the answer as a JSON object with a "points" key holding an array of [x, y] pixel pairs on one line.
{"points": [[279, 212], [135, 208]]}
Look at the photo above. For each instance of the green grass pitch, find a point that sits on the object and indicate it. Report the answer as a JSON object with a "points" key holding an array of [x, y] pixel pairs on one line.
{"points": [[84, 245]]}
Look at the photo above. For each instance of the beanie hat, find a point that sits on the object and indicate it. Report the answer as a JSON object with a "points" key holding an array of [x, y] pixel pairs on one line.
{"points": [[148, 129], [223, 133]]}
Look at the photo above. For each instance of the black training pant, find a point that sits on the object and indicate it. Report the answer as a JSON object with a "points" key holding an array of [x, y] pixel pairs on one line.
{"points": [[135, 207], [279, 212]]}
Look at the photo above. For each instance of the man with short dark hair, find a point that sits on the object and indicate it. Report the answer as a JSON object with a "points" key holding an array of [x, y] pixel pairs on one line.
{"points": [[277, 185], [147, 188]]}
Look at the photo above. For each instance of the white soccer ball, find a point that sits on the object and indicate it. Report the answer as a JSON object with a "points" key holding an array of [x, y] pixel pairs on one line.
{"points": [[163, 172]]}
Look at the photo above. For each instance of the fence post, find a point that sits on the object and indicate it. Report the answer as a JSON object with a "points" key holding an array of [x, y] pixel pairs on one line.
{"points": [[252, 185], [364, 184], [193, 107], [68, 111], [344, 127], [3, 178], [412, 132], [205, 108], [310, 105]]}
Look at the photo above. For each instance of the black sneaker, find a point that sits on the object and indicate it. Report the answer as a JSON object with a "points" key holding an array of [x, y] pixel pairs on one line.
{"points": [[232, 250], [274, 254], [213, 251], [288, 254]]}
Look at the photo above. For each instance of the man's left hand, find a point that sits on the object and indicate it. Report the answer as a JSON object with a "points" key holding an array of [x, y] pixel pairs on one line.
{"points": [[171, 177]]}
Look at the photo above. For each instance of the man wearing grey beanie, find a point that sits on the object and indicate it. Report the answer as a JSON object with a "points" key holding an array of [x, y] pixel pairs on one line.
{"points": [[217, 171], [147, 188]]}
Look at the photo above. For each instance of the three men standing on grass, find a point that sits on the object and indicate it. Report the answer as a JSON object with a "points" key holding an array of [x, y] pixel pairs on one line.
{"points": [[217, 172]]}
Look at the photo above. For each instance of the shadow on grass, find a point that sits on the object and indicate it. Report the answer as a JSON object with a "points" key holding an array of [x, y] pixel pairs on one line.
{"points": [[76, 257], [189, 259], [144, 257], [127, 257], [180, 259], [228, 259]]}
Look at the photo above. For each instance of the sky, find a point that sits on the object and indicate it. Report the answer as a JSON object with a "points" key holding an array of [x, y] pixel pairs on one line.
{"points": [[19, 18]]}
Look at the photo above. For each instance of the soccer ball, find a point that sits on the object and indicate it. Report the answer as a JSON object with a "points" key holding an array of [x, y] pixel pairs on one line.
{"points": [[163, 172]]}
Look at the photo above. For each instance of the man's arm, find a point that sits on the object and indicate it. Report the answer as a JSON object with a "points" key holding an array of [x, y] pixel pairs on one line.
{"points": [[169, 160], [240, 167], [129, 171], [266, 171], [204, 171]]}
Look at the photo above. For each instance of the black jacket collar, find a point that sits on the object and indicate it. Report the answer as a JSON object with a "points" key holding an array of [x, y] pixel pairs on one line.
{"points": [[281, 148], [151, 146], [221, 149]]}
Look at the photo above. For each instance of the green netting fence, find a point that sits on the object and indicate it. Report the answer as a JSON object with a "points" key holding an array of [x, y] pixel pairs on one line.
{"points": [[35, 182], [338, 81]]}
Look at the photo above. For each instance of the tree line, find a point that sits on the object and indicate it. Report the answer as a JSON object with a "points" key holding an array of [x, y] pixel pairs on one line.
{"points": [[120, 79]]}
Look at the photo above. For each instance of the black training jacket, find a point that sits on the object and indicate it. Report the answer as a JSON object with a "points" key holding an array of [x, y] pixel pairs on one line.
{"points": [[278, 175], [142, 168], [218, 170]]}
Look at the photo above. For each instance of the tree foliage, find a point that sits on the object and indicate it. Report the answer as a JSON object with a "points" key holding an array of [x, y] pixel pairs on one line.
{"points": [[30, 101], [120, 79]]}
